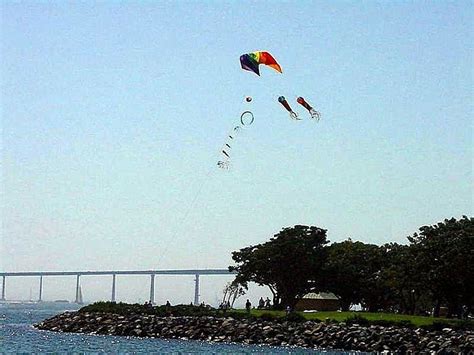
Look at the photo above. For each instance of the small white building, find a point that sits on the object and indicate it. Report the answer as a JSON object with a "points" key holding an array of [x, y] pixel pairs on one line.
{"points": [[324, 301]]}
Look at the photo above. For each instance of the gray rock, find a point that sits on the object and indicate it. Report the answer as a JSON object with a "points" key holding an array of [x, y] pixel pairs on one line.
{"points": [[308, 334], [137, 332]]}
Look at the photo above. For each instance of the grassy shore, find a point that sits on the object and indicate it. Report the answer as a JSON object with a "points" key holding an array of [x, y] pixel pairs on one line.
{"points": [[361, 318], [416, 321]]}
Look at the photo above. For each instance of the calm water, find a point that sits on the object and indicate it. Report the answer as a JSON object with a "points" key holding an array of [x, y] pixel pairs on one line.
{"points": [[17, 335]]}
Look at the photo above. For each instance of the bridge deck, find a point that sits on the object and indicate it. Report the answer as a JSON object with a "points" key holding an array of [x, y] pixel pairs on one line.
{"points": [[122, 272]]}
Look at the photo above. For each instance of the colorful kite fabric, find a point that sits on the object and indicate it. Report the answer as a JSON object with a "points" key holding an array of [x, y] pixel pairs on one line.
{"points": [[251, 61], [286, 105], [314, 114]]}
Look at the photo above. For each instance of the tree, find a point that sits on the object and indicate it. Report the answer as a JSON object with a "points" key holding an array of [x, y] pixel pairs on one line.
{"points": [[444, 256], [289, 263], [232, 291], [351, 273], [405, 286]]}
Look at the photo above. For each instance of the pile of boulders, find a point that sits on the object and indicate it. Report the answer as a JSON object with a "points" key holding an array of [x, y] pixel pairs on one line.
{"points": [[307, 334]]}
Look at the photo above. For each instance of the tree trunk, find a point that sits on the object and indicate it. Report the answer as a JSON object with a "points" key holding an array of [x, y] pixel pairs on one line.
{"points": [[373, 308], [345, 305], [276, 298], [454, 310], [436, 309]]}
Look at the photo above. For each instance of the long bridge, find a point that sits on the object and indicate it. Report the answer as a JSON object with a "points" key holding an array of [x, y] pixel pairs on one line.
{"points": [[78, 274]]}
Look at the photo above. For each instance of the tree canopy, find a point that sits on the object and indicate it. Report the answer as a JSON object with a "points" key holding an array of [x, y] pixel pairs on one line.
{"points": [[444, 256], [349, 270], [289, 263], [436, 268]]}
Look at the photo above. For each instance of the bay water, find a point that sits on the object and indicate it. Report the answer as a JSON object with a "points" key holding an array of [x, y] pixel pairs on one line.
{"points": [[17, 335]]}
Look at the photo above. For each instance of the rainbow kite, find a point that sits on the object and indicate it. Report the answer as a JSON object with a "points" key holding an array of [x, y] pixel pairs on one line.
{"points": [[251, 61]]}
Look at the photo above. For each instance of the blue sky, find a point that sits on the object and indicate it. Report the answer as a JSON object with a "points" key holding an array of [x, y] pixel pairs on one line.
{"points": [[113, 115]]}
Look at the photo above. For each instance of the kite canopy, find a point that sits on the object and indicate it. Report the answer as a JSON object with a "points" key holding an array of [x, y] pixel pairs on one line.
{"points": [[251, 61]]}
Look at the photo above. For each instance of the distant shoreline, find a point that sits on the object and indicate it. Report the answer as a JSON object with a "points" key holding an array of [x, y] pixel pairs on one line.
{"points": [[309, 334]]}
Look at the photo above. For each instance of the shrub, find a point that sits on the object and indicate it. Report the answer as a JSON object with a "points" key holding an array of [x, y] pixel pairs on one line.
{"points": [[464, 325], [456, 325], [269, 317], [161, 311], [438, 325], [239, 315], [295, 317], [392, 323], [407, 323], [112, 307], [357, 319]]}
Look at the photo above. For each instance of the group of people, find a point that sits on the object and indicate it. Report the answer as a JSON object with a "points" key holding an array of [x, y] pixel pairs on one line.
{"points": [[262, 304], [224, 306], [148, 305]]}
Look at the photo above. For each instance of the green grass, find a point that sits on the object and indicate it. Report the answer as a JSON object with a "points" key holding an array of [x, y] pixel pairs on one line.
{"points": [[259, 312], [417, 321], [342, 316], [362, 318]]}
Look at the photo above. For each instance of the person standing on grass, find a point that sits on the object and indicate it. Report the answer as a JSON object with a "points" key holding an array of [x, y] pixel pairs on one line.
{"points": [[248, 305]]}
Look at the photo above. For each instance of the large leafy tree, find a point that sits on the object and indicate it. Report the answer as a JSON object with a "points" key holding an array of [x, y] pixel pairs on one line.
{"points": [[405, 287], [398, 278], [290, 263], [352, 273], [444, 256]]}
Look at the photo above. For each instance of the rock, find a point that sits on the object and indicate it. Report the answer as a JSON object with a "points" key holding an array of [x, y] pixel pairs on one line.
{"points": [[446, 344], [227, 322], [137, 332], [308, 334]]}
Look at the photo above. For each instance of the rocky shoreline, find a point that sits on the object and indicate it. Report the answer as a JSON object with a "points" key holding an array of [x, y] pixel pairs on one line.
{"points": [[307, 334]]}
